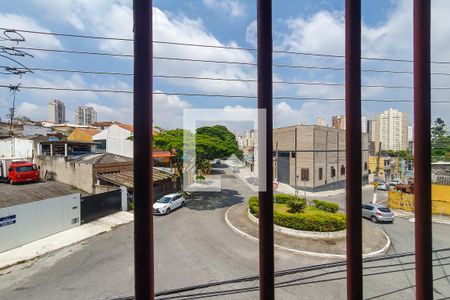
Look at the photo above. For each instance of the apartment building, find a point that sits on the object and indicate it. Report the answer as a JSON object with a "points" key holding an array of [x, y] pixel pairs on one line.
{"points": [[85, 115], [391, 129], [56, 112]]}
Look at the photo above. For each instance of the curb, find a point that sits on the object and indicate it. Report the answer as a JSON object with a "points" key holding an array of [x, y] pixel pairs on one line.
{"points": [[301, 233], [309, 253], [410, 217]]}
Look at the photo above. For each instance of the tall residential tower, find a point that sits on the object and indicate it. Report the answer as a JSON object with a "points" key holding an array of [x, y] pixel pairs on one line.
{"points": [[85, 115], [56, 112]]}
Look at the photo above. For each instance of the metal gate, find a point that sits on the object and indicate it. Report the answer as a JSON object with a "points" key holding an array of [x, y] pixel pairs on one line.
{"points": [[283, 169], [96, 206]]}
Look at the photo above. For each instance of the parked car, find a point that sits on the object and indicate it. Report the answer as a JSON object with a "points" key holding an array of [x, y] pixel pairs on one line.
{"points": [[377, 213], [168, 203], [20, 172], [392, 184], [252, 180], [383, 186]]}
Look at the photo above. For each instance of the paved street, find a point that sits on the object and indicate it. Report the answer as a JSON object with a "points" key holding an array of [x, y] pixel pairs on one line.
{"points": [[193, 245]]}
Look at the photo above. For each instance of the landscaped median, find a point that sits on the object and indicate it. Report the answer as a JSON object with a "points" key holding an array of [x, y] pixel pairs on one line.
{"points": [[317, 229], [292, 212]]}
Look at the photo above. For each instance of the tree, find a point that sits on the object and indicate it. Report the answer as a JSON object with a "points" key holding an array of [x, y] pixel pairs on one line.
{"points": [[440, 141], [211, 142], [438, 130]]}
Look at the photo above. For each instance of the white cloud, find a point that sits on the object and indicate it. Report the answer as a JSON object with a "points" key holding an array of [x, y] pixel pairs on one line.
{"points": [[8, 20], [324, 32], [250, 33], [166, 27], [168, 110], [233, 7], [284, 114], [30, 110]]}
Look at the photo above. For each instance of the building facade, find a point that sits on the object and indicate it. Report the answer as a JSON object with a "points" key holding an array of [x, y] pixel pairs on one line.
{"points": [[338, 122], [312, 157], [391, 129], [321, 122], [85, 115], [56, 112]]}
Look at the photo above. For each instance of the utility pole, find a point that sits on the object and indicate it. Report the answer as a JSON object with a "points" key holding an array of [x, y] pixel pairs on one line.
{"points": [[12, 110]]}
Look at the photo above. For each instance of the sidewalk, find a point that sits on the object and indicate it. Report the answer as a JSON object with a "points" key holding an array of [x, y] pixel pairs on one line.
{"points": [[287, 189], [440, 219], [63, 239]]}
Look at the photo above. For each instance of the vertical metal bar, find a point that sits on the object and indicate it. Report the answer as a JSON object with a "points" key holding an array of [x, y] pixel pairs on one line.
{"points": [[422, 150], [143, 162], [353, 147], [265, 93], [295, 162]]}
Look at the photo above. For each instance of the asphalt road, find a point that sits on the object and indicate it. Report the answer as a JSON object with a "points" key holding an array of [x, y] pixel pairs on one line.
{"points": [[193, 245]]}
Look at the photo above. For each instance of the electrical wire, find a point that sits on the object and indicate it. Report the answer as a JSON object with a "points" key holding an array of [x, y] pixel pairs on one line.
{"points": [[297, 66], [217, 95], [297, 283], [292, 271], [214, 46], [249, 80]]}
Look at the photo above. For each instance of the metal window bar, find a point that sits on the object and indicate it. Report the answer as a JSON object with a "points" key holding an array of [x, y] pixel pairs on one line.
{"points": [[265, 95], [422, 150], [143, 152], [353, 154]]}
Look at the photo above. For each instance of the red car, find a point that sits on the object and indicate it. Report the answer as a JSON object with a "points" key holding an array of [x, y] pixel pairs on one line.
{"points": [[23, 172]]}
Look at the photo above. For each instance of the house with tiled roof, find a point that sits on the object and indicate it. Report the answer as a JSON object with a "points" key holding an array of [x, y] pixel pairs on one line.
{"points": [[117, 139], [82, 134]]}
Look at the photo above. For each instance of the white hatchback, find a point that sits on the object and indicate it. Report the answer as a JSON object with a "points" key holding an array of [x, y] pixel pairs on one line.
{"points": [[168, 203]]}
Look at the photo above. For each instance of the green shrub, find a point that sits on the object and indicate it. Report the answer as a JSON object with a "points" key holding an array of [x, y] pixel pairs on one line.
{"points": [[284, 199], [253, 205], [321, 221], [326, 206], [296, 205]]}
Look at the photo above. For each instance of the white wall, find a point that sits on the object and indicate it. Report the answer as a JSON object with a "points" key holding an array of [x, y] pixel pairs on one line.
{"points": [[72, 173], [25, 223], [116, 140], [6, 148], [16, 147]]}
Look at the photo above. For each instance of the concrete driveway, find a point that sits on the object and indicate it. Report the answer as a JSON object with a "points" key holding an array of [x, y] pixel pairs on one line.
{"points": [[193, 245]]}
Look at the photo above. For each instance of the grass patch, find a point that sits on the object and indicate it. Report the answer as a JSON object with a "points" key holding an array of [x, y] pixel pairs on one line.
{"points": [[311, 218]]}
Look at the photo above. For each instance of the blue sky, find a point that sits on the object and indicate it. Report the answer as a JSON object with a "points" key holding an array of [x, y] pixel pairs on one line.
{"points": [[307, 26]]}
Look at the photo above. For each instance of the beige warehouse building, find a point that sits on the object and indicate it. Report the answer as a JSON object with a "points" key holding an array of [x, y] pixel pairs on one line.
{"points": [[312, 157]]}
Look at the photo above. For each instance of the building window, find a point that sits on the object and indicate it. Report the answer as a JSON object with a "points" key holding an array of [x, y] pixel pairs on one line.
{"points": [[365, 166], [305, 174], [293, 154], [283, 154], [342, 170], [333, 172], [320, 173]]}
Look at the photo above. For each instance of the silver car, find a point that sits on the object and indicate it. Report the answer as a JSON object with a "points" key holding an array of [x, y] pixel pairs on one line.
{"points": [[377, 213]]}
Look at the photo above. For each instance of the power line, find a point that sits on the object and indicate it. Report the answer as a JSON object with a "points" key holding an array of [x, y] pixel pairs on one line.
{"points": [[214, 46], [314, 83], [304, 98], [126, 55]]}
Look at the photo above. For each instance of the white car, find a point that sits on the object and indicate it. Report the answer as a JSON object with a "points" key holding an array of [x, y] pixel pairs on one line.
{"points": [[168, 203]]}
